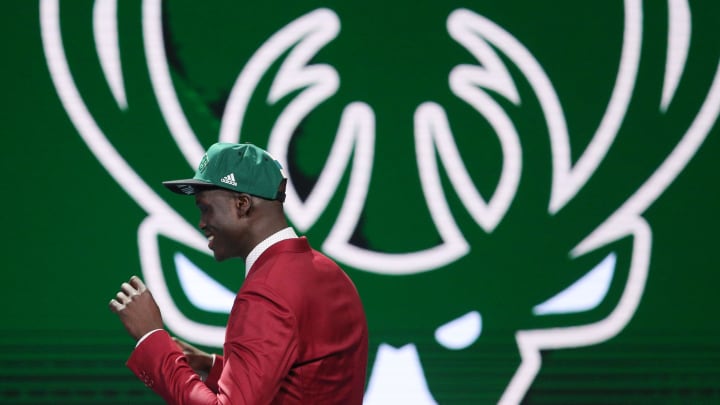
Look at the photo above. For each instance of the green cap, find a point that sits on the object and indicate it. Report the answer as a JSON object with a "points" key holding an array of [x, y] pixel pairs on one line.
{"points": [[244, 168]]}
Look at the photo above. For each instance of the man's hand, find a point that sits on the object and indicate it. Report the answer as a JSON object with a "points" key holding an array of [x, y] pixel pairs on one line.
{"points": [[136, 308], [200, 361]]}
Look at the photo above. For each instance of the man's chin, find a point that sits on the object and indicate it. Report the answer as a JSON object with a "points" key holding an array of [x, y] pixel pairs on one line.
{"points": [[219, 257]]}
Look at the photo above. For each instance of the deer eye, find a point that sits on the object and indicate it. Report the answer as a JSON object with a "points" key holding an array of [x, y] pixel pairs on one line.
{"points": [[460, 332], [584, 294], [202, 290]]}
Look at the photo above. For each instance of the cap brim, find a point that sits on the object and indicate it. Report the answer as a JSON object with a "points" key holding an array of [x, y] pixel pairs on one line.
{"points": [[187, 186]]}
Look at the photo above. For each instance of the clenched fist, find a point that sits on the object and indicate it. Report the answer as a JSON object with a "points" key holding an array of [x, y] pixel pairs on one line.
{"points": [[136, 308]]}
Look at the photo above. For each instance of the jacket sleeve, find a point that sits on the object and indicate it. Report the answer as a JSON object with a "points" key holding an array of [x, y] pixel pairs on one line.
{"points": [[214, 375], [260, 348], [160, 364]]}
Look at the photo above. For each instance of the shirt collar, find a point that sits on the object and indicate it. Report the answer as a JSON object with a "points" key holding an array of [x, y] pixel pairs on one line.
{"points": [[287, 233]]}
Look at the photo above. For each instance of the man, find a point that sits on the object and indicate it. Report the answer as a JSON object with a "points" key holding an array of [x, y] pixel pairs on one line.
{"points": [[297, 332]]}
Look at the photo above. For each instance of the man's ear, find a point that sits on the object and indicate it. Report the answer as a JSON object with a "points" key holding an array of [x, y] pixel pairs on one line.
{"points": [[243, 204]]}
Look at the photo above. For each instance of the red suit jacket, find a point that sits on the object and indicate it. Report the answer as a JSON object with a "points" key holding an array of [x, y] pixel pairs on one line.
{"points": [[297, 334]]}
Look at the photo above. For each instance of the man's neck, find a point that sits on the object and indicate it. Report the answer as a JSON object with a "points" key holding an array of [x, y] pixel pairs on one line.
{"points": [[260, 248]]}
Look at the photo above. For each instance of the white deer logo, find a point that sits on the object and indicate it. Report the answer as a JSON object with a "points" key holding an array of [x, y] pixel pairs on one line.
{"points": [[292, 48]]}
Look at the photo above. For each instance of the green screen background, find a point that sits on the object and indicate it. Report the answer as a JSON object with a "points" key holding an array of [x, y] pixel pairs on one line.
{"points": [[71, 230]]}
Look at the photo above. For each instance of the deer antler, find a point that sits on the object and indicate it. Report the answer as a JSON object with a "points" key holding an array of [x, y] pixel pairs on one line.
{"points": [[162, 219], [303, 38]]}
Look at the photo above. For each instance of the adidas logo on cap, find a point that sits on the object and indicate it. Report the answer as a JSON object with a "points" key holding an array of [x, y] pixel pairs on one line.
{"points": [[229, 179]]}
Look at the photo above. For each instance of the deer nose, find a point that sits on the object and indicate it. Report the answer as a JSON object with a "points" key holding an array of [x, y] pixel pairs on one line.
{"points": [[398, 378]]}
